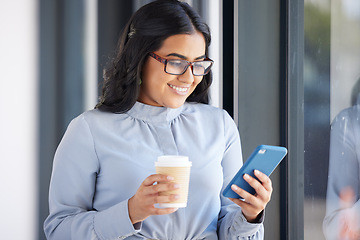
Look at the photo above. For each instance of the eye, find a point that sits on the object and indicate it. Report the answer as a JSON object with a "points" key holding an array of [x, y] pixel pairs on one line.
{"points": [[198, 65], [175, 63]]}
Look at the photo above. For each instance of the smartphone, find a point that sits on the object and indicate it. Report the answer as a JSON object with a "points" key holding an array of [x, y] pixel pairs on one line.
{"points": [[265, 158]]}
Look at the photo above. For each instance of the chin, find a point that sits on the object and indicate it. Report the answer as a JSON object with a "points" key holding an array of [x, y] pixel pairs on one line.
{"points": [[175, 104]]}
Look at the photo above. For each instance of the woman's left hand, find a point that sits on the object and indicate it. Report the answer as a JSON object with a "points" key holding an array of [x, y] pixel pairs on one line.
{"points": [[253, 205]]}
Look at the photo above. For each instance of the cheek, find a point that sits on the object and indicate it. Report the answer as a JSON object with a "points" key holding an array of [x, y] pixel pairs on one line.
{"points": [[198, 80], [155, 83], [151, 76], [146, 71]]}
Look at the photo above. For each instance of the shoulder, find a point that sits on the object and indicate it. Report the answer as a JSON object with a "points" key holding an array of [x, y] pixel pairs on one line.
{"points": [[209, 115], [96, 115], [211, 112], [95, 119], [349, 115], [205, 110], [347, 123]]}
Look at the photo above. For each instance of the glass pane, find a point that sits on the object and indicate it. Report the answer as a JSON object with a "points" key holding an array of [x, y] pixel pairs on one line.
{"points": [[332, 126]]}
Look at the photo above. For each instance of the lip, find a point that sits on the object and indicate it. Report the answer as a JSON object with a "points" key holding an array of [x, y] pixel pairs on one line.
{"points": [[181, 90]]}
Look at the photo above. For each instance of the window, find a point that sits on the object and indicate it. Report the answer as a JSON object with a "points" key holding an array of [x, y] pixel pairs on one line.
{"points": [[331, 74]]}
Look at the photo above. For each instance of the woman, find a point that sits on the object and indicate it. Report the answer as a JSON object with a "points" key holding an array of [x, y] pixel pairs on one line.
{"points": [[342, 220], [154, 102]]}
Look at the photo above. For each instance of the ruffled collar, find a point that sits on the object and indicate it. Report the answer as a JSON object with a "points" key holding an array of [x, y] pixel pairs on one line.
{"points": [[154, 114]]}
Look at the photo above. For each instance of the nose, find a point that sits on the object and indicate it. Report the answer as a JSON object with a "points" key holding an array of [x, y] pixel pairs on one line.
{"points": [[187, 76]]}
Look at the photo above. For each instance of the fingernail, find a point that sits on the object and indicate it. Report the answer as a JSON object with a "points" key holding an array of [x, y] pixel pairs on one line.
{"points": [[170, 178], [246, 176], [234, 187], [176, 186], [176, 196], [256, 171]]}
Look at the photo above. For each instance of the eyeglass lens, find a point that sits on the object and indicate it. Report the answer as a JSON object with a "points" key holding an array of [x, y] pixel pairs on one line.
{"points": [[179, 67]]}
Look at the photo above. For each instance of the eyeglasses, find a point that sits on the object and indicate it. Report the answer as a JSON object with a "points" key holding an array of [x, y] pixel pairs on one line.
{"points": [[179, 66]]}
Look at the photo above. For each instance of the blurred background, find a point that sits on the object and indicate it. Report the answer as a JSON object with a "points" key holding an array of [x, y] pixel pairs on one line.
{"points": [[283, 70]]}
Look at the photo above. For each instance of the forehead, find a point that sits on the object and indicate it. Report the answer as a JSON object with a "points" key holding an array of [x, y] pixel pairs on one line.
{"points": [[189, 45]]}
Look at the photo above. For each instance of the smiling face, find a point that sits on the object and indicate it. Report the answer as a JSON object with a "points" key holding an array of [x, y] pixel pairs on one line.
{"points": [[159, 88]]}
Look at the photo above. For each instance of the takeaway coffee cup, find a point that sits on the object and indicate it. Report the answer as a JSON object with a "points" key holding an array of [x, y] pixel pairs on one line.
{"points": [[179, 168]]}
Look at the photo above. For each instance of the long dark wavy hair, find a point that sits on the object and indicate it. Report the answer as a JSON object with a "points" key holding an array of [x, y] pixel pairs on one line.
{"points": [[144, 33]]}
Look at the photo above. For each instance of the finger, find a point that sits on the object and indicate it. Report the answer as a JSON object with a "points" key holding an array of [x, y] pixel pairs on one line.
{"points": [[263, 187], [242, 193], [261, 192], [155, 198], [264, 179], [239, 201], [160, 187], [254, 183], [156, 178], [259, 188], [163, 211], [248, 209]]}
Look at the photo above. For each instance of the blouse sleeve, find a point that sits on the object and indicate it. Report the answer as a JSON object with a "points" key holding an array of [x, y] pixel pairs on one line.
{"points": [[232, 224], [72, 190]]}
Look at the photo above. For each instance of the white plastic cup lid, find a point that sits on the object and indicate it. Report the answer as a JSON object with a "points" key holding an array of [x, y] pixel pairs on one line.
{"points": [[173, 161]]}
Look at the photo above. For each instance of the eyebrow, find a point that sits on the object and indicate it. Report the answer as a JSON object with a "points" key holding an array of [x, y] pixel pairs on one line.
{"points": [[183, 57]]}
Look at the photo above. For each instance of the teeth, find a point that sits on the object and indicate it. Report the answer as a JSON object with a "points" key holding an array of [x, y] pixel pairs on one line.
{"points": [[180, 89]]}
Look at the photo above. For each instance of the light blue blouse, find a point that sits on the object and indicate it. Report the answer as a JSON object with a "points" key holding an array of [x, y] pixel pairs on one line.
{"points": [[104, 157]]}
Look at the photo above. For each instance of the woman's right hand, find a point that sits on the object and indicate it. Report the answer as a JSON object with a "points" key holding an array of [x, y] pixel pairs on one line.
{"points": [[141, 205]]}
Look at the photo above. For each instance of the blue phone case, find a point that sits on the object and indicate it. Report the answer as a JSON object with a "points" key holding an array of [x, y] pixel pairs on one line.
{"points": [[265, 158]]}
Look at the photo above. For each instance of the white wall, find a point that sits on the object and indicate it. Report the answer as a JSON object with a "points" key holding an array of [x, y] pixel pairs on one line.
{"points": [[91, 63], [18, 119], [215, 24]]}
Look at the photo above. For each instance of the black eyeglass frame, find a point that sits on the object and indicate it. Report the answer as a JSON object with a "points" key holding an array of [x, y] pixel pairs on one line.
{"points": [[165, 61]]}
